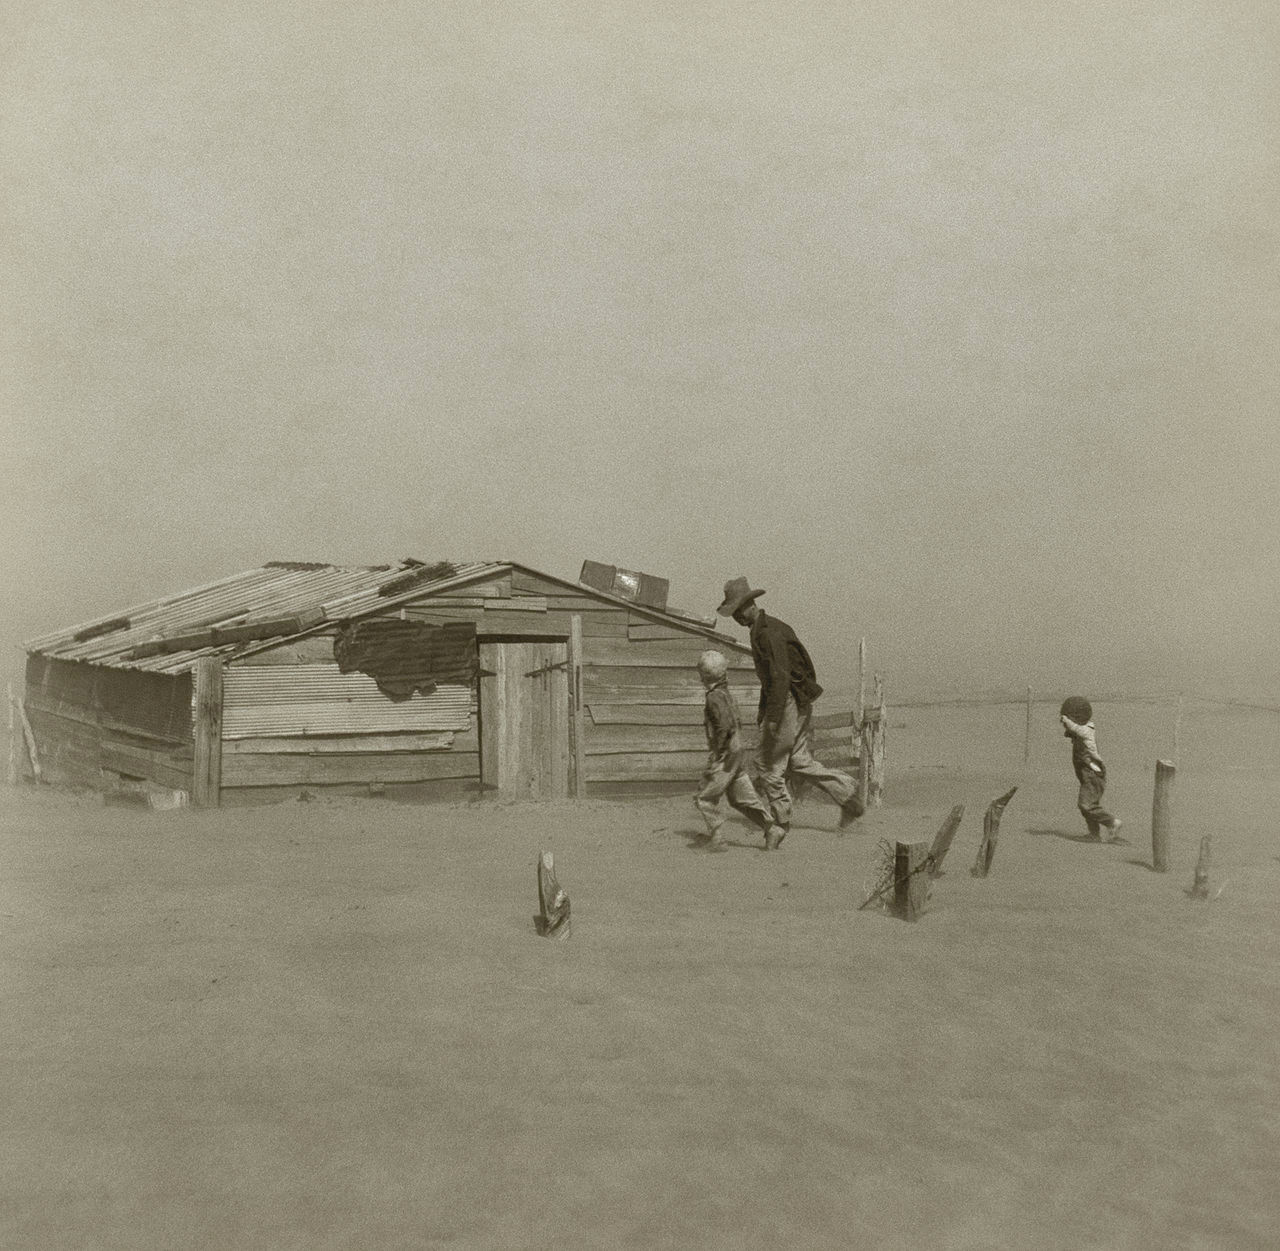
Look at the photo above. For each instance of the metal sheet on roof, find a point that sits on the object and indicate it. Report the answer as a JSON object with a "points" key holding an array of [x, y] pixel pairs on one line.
{"points": [[270, 591], [318, 699]]}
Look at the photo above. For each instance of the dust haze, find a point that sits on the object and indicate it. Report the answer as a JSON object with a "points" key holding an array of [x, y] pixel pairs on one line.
{"points": [[951, 326]]}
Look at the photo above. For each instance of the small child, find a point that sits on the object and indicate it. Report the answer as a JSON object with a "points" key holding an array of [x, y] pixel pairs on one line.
{"points": [[1076, 715], [725, 774]]}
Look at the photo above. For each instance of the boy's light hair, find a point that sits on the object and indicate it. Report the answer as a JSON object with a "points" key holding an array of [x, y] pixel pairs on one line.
{"points": [[713, 664]]}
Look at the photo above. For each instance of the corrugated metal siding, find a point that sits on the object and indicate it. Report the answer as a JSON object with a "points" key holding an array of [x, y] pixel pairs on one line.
{"points": [[318, 699]]}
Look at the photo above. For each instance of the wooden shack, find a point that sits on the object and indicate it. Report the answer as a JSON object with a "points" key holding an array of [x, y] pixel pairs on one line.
{"points": [[420, 680]]}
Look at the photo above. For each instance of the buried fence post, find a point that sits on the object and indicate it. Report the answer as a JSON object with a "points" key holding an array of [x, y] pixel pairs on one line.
{"points": [[990, 832], [942, 840], [910, 879], [1162, 816], [874, 747], [1200, 886], [552, 920]]}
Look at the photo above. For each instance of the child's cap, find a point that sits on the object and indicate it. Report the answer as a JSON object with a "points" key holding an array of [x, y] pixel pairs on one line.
{"points": [[1077, 708], [712, 664]]}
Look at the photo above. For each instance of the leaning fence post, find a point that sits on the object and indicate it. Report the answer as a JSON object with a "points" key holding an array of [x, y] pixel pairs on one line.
{"points": [[875, 781], [1162, 816], [552, 920], [990, 832]]}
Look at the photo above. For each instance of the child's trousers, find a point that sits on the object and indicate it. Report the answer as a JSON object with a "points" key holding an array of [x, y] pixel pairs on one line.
{"points": [[725, 778], [1090, 802]]}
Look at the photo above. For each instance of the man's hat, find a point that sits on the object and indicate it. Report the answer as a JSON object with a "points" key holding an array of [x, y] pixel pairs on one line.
{"points": [[737, 593]]}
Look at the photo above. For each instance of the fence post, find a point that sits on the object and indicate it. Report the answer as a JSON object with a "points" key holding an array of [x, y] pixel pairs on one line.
{"points": [[1162, 816], [206, 782]]}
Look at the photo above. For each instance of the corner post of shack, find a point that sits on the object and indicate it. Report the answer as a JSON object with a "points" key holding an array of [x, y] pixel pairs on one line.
{"points": [[206, 782]]}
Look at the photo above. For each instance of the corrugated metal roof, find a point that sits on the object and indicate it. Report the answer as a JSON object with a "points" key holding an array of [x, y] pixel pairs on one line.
{"points": [[275, 590], [282, 589]]}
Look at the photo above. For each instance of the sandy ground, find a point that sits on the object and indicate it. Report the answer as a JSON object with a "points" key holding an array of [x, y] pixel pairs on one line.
{"points": [[331, 1025]]}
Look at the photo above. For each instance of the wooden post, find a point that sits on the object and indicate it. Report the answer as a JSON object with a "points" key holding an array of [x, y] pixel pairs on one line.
{"points": [[860, 710], [990, 832], [13, 743], [1026, 742], [552, 920], [33, 752], [1162, 816], [1200, 886], [206, 784], [910, 879], [942, 840], [577, 726], [875, 784]]}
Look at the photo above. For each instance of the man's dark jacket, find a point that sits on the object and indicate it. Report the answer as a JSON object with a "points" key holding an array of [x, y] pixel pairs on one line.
{"points": [[783, 666]]}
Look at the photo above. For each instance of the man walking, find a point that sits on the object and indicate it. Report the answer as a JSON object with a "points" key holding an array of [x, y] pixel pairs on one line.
{"points": [[788, 688]]}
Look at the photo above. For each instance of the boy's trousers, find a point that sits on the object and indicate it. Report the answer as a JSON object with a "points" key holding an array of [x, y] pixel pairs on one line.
{"points": [[788, 752], [725, 778], [1090, 801]]}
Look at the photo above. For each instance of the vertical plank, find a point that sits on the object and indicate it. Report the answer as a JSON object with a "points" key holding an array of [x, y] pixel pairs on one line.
{"points": [[990, 833], [875, 786], [1162, 816], [860, 710], [910, 880], [490, 713], [206, 785], [1026, 741], [28, 737], [1200, 884], [576, 726]]}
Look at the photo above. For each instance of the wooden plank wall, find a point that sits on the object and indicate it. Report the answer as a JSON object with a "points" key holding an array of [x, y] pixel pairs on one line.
{"points": [[95, 726]]}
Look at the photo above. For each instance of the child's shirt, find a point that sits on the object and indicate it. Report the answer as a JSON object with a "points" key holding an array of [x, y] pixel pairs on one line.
{"points": [[720, 719], [1084, 748]]}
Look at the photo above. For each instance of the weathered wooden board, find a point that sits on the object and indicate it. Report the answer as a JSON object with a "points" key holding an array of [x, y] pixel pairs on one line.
{"points": [[161, 767], [833, 720], [518, 603], [348, 744], [645, 631], [316, 649], [646, 714], [659, 653], [614, 739], [645, 766], [661, 681], [292, 770]]}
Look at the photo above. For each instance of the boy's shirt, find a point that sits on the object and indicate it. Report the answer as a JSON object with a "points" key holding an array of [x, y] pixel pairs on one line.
{"points": [[720, 719], [1084, 748]]}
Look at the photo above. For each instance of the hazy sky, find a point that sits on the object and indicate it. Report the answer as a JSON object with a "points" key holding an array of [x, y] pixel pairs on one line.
{"points": [[953, 325]]}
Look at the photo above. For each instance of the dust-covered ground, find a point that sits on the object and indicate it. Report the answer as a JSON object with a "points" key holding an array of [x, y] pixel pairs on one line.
{"points": [[332, 1025]]}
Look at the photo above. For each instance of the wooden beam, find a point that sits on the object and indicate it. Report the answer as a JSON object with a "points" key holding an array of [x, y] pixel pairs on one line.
{"points": [[990, 833], [942, 840], [875, 779], [1162, 816], [33, 752], [552, 920], [206, 782], [1200, 886], [577, 711], [910, 879]]}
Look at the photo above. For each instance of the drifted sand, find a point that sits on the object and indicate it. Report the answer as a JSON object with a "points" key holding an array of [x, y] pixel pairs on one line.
{"points": [[331, 1025]]}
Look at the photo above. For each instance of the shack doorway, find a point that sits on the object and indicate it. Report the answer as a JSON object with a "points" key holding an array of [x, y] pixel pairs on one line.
{"points": [[524, 718]]}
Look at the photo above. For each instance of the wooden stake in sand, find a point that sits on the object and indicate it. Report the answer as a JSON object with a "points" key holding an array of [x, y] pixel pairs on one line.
{"points": [[1162, 816], [1026, 741], [206, 782], [876, 750], [990, 832], [552, 920], [942, 840], [910, 879], [1200, 886]]}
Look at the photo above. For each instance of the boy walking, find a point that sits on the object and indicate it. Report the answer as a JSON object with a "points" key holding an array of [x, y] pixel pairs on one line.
{"points": [[1076, 715], [725, 775]]}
